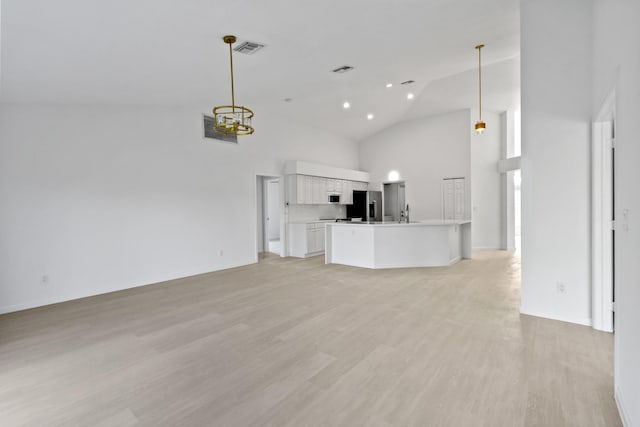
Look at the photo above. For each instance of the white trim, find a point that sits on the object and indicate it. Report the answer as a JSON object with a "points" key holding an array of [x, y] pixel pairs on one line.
{"points": [[283, 212], [584, 321], [601, 218], [486, 248], [624, 415]]}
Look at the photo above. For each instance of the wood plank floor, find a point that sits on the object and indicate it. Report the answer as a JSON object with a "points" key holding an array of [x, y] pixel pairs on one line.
{"points": [[290, 342]]}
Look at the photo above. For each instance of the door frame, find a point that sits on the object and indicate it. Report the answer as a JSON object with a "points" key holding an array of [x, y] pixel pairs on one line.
{"points": [[602, 214], [259, 208]]}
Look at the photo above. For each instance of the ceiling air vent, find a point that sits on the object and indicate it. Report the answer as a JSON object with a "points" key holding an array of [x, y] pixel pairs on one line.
{"points": [[248, 48], [343, 69], [408, 82]]}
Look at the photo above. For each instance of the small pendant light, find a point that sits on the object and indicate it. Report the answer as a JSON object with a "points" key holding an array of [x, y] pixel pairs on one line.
{"points": [[480, 125]]}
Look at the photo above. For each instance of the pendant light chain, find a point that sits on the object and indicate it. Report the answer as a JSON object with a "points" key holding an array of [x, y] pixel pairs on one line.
{"points": [[480, 82], [233, 97], [480, 126]]}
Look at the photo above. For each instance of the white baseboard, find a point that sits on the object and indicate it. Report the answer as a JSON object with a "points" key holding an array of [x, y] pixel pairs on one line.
{"points": [[623, 413], [454, 260], [486, 248], [584, 321]]}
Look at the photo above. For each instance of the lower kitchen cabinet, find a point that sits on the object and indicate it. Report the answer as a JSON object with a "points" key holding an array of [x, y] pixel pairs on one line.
{"points": [[306, 239]]}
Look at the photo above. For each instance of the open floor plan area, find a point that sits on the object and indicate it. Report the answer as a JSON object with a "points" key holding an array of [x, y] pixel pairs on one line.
{"points": [[289, 342], [331, 213]]}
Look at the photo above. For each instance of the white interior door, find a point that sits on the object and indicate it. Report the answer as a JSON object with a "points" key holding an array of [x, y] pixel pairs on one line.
{"points": [[273, 210], [459, 196], [453, 198]]}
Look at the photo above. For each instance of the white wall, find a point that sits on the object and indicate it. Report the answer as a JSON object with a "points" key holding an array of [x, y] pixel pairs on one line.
{"points": [[486, 197], [556, 60], [105, 198], [617, 66], [423, 151], [428, 149]]}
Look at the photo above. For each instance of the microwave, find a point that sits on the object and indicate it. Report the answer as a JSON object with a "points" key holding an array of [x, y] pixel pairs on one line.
{"points": [[333, 197]]}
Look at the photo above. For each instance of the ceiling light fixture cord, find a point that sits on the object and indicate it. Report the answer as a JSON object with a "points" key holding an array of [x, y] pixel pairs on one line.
{"points": [[233, 98], [479, 81]]}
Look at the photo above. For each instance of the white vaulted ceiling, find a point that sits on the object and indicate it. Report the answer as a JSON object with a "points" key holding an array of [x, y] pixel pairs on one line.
{"points": [[170, 52]]}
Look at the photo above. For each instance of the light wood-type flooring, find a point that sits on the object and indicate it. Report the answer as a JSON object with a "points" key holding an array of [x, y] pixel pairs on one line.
{"points": [[291, 342]]}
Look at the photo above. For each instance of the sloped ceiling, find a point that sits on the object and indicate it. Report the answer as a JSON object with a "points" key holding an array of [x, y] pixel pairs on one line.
{"points": [[170, 52]]}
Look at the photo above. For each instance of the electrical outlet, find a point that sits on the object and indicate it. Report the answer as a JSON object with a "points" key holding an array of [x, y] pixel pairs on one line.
{"points": [[45, 278], [561, 287], [221, 253]]}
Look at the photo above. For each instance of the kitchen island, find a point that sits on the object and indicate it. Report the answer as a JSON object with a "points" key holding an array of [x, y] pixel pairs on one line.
{"points": [[427, 243]]}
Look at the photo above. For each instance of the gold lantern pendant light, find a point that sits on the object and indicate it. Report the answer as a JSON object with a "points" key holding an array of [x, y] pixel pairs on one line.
{"points": [[232, 119], [480, 125]]}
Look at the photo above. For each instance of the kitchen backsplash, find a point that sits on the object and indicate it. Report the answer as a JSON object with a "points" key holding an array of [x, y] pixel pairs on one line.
{"points": [[312, 212]]}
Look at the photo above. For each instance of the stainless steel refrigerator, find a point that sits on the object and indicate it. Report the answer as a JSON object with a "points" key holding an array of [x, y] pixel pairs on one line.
{"points": [[374, 205], [367, 205]]}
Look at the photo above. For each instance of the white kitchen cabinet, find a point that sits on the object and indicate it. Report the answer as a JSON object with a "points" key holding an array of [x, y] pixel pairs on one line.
{"points": [[315, 238], [347, 193], [312, 190], [319, 190], [338, 185], [300, 188], [360, 186], [306, 239], [307, 189]]}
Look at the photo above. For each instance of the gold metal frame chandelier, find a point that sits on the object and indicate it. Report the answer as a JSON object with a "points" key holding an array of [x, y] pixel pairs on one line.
{"points": [[232, 119], [480, 125]]}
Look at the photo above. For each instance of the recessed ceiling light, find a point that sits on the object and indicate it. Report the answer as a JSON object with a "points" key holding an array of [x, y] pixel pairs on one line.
{"points": [[346, 105], [370, 116], [389, 84], [410, 96]]}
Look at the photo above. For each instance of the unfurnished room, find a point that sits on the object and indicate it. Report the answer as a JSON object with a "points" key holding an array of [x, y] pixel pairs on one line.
{"points": [[337, 213]]}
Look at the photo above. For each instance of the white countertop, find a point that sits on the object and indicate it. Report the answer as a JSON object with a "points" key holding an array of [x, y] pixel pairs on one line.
{"points": [[423, 223]]}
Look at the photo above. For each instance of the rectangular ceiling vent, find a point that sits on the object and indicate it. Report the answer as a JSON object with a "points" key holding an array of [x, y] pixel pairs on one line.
{"points": [[248, 48], [343, 69], [408, 82]]}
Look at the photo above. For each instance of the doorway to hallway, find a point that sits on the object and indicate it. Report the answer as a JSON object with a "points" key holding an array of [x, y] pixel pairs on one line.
{"points": [[269, 234]]}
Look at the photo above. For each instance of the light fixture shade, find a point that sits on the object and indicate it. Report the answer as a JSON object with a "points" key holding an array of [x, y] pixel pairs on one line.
{"points": [[233, 120], [480, 127]]}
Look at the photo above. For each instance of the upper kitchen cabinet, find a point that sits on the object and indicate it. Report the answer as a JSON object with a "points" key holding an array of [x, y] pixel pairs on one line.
{"points": [[315, 190], [360, 186], [310, 183], [347, 193], [300, 189], [319, 190]]}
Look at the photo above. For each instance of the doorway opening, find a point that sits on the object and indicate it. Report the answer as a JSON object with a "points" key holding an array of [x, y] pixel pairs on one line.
{"points": [[395, 207], [269, 235]]}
